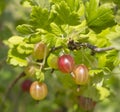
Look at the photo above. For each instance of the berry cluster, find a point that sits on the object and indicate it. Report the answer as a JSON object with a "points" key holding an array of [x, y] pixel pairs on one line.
{"points": [[64, 63]]}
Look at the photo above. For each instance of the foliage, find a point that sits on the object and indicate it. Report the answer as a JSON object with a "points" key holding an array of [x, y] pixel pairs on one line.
{"points": [[56, 23]]}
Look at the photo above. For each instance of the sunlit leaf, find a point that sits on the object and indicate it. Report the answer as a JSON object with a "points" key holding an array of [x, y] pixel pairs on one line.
{"points": [[39, 75], [95, 71], [15, 40], [50, 39], [56, 29], [104, 92], [16, 59], [25, 48], [102, 60], [41, 3], [114, 37], [34, 38], [25, 29], [73, 4], [39, 17], [64, 14], [98, 17]]}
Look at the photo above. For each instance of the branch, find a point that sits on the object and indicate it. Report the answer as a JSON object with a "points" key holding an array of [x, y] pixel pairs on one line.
{"points": [[103, 49], [2, 106], [76, 46], [55, 48], [11, 85]]}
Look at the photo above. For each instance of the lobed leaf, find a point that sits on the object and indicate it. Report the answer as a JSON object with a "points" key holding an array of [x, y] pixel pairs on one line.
{"points": [[34, 38], [41, 3], [64, 15], [50, 39], [98, 17], [39, 75], [73, 4], [56, 29], [114, 37], [25, 48], [16, 59], [95, 71], [104, 92], [25, 29], [15, 40], [39, 17]]}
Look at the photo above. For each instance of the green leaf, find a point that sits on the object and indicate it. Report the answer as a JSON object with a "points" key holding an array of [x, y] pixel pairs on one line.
{"points": [[34, 38], [104, 92], [25, 48], [73, 4], [64, 14], [112, 57], [56, 29], [39, 76], [114, 37], [83, 56], [39, 17], [16, 59], [15, 40], [96, 92], [117, 60], [102, 60], [95, 71], [41, 3], [74, 19], [66, 80], [60, 42], [63, 11], [116, 43], [25, 29], [50, 39], [98, 17]]}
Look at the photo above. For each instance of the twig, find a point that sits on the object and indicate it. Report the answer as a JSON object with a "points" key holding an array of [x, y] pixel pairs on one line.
{"points": [[76, 46], [13, 83], [2, 106], [55, 48], [96, 49]]}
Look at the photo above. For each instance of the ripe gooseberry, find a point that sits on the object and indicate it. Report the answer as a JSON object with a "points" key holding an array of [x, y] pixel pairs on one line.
{"points": [[38, 90], [66, 63], [86, 103], [80, 74], [39, 51], [26, 85]]}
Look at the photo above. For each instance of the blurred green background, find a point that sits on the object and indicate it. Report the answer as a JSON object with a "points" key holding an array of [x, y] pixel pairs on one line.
{"points": [[12, 13]]}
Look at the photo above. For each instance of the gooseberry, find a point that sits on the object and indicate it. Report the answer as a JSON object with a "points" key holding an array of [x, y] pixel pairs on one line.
{"points": [[66, 63], [38, 90], [80, 74]]}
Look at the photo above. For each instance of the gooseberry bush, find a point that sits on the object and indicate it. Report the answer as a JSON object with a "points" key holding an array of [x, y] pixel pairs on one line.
{"points": [[76, 41]]}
